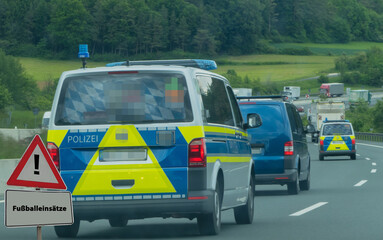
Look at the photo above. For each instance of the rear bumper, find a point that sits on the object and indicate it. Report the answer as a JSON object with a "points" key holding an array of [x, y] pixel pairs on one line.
{"points": [[289, 175], [145, 208], [337, 153]]}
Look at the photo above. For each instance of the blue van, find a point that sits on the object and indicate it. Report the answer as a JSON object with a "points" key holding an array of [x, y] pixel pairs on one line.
{"points": [[279, 147]]}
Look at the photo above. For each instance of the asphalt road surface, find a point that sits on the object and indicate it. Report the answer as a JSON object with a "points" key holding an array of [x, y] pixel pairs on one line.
{"points": [[345, 202]]}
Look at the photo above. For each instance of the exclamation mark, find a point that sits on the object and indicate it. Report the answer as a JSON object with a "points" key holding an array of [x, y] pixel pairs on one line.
{"points": [[37, 164]]}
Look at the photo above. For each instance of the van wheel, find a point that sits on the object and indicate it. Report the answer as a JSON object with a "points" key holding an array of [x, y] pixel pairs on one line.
{"points": [[210, 224], [321, 157], [69, 231], [244, 214], [353, 156], [305, 184], [118, 222], [293, 187]]}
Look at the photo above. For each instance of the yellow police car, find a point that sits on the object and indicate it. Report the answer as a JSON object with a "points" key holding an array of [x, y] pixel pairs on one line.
{"points": [[337, 138], [148, 139]]}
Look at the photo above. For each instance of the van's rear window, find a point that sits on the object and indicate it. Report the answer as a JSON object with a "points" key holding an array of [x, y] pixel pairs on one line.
{"points": [[272, 119], [124, 98], [337, 129]]}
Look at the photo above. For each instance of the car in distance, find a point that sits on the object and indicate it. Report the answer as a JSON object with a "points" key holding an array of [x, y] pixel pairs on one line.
{"points": [[279, 147], [337, 138], [149, 139]]}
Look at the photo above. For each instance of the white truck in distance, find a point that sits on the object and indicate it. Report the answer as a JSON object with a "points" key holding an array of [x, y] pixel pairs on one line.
{"points": [[356, 96], [243, 92], [320, 111], [292, 92]]}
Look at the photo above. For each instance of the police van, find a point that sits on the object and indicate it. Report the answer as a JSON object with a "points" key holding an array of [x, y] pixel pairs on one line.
{"points": [[148, 139], [337, 138]]}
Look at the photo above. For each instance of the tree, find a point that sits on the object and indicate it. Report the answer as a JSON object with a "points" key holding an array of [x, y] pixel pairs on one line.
{"points": [[377, 117], [204, 42], [15, 86], [69, 26]]}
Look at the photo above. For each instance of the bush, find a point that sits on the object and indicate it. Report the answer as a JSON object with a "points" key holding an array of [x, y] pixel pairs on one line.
{"points": [[323, 79], [297, 51]]}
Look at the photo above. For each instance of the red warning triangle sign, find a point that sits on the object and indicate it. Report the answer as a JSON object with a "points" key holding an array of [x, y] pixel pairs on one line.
{"points": [[36, 169]]}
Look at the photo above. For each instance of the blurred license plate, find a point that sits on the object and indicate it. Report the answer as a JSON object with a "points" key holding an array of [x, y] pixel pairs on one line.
{"points": [[337, 142], [139, 154], [256, 150]]}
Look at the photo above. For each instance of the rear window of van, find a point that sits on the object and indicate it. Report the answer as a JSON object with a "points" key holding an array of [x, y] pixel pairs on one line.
{"points": [[337, 129], [124, 99], [272, 118]]}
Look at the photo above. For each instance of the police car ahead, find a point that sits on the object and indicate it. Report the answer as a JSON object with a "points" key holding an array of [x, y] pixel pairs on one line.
{"points": [[152, 139], [337, 138]]}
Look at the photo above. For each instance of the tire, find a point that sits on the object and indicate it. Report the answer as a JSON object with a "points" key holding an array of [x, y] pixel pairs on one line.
{"points": [[210, 224], [118, 222], [293, 187], [321, 157], [245, 214], [69, 231], [305, 184], [353, 156]]}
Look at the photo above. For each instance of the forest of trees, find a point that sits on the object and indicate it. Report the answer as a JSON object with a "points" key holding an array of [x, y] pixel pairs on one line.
{"points": [[48, 28]]}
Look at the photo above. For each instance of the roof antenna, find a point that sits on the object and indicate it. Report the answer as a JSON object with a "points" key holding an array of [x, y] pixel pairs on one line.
{"points": [[83, 54]]}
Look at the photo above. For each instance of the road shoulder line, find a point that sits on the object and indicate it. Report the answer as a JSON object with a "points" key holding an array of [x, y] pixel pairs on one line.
{"points": [[369, 145]]}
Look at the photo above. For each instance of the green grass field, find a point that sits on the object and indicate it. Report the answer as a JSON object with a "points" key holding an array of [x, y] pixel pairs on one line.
{"points": [[264, 67], [278, 67], [332, 49], [43, 69], [282, 69]]}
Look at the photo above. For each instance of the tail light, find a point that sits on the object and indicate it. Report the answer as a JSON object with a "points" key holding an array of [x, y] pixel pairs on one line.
{"points": [[197, 153], [321, 142], [353, 141], [289, 148], [53, 150]]}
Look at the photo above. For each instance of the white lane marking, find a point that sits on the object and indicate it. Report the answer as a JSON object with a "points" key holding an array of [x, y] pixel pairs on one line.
{"points": [[306, 210], [373, 170], [369, 145], [358, 155], [368, 159], [360, 183], [316, 144], [373, 164], [1, 201]]}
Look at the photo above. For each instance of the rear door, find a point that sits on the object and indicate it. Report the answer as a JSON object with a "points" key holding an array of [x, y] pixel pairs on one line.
{"points": [[124, 135], [299, 137], [267, 141]]}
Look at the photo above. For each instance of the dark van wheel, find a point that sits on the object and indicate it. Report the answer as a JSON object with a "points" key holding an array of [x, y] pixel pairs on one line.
{"points": [[293, 187], [210, 224], [69, 231], [353, 156], [244, 214], [321, 157], [118, 222], [305, 184]]}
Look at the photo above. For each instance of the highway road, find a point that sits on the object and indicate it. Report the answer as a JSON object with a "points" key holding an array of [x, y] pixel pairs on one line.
{"points": [[345, 202]]}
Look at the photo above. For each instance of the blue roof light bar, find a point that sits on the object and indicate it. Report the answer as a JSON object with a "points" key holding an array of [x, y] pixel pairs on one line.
{"points": [[196, 63], [83, 51], [330, 121]]}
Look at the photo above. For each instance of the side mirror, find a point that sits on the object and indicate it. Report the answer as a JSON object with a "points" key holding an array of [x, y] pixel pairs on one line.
{"points": [[253, 121], [310, 128]]}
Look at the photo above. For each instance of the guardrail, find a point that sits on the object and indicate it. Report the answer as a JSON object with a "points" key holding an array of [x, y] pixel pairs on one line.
{"points": [[374, 137]]}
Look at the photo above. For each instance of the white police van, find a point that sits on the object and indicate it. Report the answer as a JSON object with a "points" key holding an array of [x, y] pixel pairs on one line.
{"points": [[152, 139]]}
